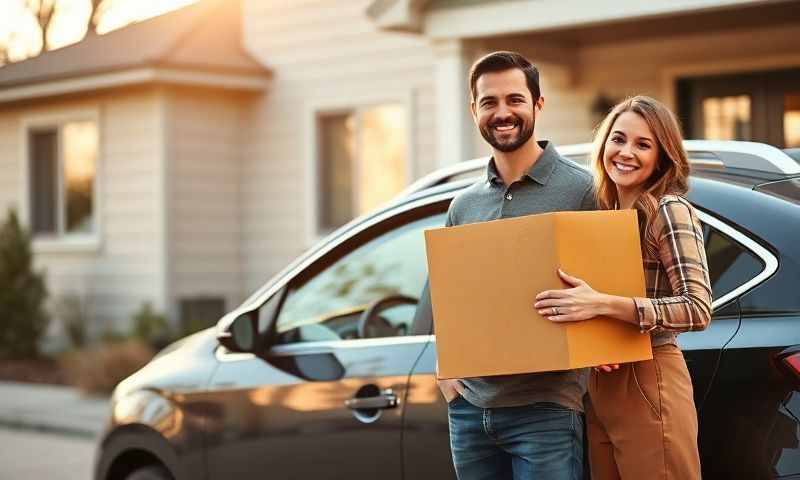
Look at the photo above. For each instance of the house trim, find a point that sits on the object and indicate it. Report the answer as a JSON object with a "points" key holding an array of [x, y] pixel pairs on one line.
{"points": [[135, 76], [506, 17], [311, 140], [66, 243], [164, 201], [670, 75], [399, 15]]}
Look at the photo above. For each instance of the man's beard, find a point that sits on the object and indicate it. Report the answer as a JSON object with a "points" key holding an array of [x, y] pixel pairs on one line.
{"points": [[488, 134]]}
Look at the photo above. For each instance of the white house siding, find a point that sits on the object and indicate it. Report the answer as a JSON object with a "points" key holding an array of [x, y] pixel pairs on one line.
{"points": [[126, 269], [325, 55], [205, 137], [10, 158]]}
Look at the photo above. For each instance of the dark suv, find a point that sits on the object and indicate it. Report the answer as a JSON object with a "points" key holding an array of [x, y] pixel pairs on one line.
{"points": [[328, 370]]}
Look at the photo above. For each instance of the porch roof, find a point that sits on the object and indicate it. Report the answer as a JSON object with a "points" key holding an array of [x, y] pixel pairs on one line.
{"points": [[463, 19]]}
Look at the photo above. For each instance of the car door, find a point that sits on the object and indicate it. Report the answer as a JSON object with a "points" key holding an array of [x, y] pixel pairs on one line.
{"points": [[749, 423], [426, 440], [731, 265], [737, 264], [324, 397]]}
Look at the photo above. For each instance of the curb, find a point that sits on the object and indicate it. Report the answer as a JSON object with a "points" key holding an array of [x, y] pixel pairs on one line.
{"points": [[27, 425], [52, 408]]}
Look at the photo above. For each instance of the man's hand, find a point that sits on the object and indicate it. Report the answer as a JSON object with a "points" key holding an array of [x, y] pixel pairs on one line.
{"points": [[450, 389]]}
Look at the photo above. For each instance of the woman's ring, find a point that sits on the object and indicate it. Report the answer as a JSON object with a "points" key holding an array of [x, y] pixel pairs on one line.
{"points": [[555, 310]]}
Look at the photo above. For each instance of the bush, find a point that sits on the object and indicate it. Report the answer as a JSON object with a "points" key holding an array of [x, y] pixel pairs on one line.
{"points": [[23, 319], [151, 327], [73, 313], [98, 370]]}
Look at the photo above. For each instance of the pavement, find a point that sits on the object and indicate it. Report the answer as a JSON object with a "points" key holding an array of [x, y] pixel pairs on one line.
{"points": [[52, 408]]}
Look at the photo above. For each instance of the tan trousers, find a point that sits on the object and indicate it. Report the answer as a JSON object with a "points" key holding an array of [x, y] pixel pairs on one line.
{"points": [[641, 421]]}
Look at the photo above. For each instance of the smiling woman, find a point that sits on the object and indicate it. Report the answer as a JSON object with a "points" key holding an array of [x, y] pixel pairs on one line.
{"points": [[631, 155], [640, 163]]}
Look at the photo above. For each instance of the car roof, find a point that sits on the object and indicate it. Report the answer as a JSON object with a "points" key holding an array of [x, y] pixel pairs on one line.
{"points": [[710, 159], [748, 163], [793, 153]]}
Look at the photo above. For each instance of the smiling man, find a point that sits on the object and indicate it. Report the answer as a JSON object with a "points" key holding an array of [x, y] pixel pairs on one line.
{"points": [[516, 426]]}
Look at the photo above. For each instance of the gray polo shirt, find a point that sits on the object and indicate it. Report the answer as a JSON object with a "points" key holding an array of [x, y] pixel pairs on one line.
{"points": [[552, 184]]}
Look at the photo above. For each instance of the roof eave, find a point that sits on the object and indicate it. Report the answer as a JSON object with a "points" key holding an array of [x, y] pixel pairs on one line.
{"points": [[138, 75], [398, 15]]}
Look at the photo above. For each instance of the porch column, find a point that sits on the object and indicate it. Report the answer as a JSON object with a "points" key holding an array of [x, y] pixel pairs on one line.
{"points": [[453, 121]]}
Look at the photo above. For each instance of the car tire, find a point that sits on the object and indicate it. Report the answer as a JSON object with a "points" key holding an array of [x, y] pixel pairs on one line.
{"points": [[151, 472]]}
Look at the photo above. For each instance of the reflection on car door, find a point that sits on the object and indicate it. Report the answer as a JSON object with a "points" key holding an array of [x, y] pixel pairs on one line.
{"points": [[301, 421], [325, 399]]}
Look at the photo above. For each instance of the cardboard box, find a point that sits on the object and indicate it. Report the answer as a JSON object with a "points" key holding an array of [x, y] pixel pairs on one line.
{"points": [[484, 279]]}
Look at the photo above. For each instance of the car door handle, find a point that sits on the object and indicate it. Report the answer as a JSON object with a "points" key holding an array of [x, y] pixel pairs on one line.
{"points": [[387, 399]]}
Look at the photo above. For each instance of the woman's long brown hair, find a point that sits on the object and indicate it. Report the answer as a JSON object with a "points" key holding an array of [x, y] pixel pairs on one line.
{"points": [[671, 174]]}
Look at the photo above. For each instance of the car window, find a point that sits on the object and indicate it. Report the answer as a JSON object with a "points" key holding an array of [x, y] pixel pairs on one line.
{"points": [[730, 264], [788, 190], [377, 285]]}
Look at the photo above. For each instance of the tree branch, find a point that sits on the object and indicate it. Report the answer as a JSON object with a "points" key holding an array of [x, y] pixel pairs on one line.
{"points": [[42, 11]]}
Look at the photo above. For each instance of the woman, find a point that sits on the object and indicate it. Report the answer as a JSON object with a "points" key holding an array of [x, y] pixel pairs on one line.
{"points": [[641, 419]]}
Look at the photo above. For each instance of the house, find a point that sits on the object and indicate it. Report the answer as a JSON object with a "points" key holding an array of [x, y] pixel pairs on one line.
{"points": [[185, 159]]}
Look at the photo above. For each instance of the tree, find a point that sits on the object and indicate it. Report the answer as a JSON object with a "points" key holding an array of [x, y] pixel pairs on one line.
{"points": [[42, 11], [23, 319], [98, 8]]}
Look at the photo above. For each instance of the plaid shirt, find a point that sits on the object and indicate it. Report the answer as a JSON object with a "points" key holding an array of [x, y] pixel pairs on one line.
{"points": [[676, 273]]}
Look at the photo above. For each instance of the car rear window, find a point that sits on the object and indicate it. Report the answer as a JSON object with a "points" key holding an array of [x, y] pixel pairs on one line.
{"points": [[786, 189]]}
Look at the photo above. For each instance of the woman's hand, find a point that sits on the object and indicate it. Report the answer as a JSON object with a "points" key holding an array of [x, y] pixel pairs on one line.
{"points": [[450, 388], [581, 302]]}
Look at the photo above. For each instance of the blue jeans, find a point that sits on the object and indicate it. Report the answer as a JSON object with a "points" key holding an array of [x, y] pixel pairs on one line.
{"points": [[542, 441]]}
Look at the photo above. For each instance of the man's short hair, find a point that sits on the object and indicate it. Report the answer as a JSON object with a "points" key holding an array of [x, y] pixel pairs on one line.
{"points": [[500, 62]]}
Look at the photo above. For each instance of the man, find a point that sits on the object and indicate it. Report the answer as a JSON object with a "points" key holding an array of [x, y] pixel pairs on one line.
{"points": [[516, 426]]}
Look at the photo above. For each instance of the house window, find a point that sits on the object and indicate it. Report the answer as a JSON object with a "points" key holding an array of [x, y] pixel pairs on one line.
{"points": [[761, 106], [63, 162], [791, 120], [727, 118], [362, 161]]}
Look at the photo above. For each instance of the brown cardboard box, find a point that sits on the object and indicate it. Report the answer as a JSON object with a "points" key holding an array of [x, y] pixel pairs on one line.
{"points": [[484, 279]]}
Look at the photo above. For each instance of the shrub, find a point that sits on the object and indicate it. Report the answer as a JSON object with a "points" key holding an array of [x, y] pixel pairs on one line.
{"points": [[98, 370], [23, 319], [151, 327], [73, 312]]}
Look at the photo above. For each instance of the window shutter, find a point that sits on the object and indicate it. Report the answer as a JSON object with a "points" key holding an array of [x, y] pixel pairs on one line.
{"points": [[44, 180]]}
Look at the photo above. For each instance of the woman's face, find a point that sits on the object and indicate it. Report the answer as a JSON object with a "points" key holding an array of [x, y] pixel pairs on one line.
{"points": [[631, 153]]}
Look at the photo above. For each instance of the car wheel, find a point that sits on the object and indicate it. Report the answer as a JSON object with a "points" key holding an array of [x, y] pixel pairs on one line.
{"points": [[152, 472]]}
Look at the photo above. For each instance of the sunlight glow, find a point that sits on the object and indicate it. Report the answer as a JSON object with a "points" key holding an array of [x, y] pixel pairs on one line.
{"points": [[19, 30]]}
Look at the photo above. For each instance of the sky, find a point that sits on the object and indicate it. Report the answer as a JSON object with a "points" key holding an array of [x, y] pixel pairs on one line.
{"points": [[19, 30]]}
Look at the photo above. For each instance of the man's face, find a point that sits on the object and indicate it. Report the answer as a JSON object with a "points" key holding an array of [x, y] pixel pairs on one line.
{"points": [[504, 109]]}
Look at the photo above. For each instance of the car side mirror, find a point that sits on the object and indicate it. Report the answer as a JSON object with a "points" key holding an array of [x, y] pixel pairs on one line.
{"points": [[240, 334]]}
